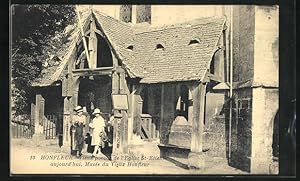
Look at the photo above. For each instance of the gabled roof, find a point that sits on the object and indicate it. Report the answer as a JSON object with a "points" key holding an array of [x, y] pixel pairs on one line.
{"points": [[56, 65], [177, 61]]}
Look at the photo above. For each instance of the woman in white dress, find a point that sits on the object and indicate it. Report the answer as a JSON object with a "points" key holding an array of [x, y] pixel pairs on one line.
{"points": [[97, 126]]}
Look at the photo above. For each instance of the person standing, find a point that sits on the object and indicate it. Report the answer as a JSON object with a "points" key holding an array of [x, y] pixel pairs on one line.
{"points": [[109, 129], [77, 132], [97, 125]]}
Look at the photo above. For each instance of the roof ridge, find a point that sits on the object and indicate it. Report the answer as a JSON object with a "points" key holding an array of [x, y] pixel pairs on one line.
{"points": [[150, 28], [108, 16]]}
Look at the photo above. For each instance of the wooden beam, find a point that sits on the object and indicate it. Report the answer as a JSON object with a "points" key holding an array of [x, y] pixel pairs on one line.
{"points": [[86, 33], [32, 114], [190, 107], [66, 123], [119, 69], [153, 129], [124, 131], [82, 33], [122, 83], [162, 102], [139, 119], [98, 32], [89, 72], [75, 91], [39, 111], [93, 42], [115, 83], [147, 133], [198, 117]]}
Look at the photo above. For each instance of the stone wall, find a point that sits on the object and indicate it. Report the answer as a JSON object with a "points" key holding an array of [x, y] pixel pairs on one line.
{"points": [[180, 135], [266, 45], [243, 42], [240, 128], [214, 128], [265, 106]]}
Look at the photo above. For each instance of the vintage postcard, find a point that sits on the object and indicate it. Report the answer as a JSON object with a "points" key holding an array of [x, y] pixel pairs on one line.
{"points": [[144, 89]]}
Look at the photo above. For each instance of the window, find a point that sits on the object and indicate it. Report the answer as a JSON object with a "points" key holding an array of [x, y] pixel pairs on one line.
{"points": [[130, 47], [81, 61], [194, 41], [104, 56], [183, 102], [159, 46], [126, 13], [143, 13]]}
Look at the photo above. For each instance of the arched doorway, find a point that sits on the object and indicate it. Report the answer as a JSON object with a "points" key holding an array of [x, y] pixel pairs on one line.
{"points": [[95, 92]]}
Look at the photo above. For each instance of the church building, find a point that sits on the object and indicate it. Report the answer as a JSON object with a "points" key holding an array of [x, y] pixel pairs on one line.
{"points": [[202, 86]]}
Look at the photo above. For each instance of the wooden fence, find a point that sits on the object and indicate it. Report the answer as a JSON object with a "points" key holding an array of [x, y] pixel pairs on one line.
{"points": [[22, 127], [50, 124], [149, 126]]}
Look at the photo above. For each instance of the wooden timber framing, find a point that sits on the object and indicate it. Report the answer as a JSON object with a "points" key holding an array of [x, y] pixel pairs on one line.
{"points": [[39, 112], [137, 109], [119, 86], [66, 122], [90, 72], [198, 93], [92, 47], [161, 110]]}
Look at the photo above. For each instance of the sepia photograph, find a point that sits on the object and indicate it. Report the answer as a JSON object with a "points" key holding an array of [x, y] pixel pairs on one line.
{"points": [[144, 89]]}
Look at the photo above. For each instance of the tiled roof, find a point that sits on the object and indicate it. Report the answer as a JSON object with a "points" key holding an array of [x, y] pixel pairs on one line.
{"points": [[120, 36], [178, 61]]}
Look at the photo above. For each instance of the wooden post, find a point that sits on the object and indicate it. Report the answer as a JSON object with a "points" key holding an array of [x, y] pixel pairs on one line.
{"points": [[39, 113], [124, 128], [124, 120], [116, 134], [153, 129], [122, 83], [132, 113], [66, 123], [149, 126], [32, 114], [139, 120], [195, 158], [93, 45], [75, 91], [162, 102], [115, 83], [121, 123], [190, 108]]}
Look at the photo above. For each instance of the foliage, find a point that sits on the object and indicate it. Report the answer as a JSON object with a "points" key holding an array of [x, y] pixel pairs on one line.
{"points": [[37, 34]]}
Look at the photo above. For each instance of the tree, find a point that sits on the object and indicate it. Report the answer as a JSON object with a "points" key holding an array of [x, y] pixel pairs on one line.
{"points": [[37, 33]]}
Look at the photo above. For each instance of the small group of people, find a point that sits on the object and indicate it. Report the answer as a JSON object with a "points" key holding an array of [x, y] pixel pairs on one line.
{"points": [[101, 132]]}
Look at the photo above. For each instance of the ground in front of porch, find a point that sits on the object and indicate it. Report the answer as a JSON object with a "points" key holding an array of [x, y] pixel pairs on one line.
{"points": [[27, 158]]}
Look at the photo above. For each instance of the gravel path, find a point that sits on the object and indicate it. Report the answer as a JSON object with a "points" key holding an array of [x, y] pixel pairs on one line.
{"points": [[29, 159]]}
